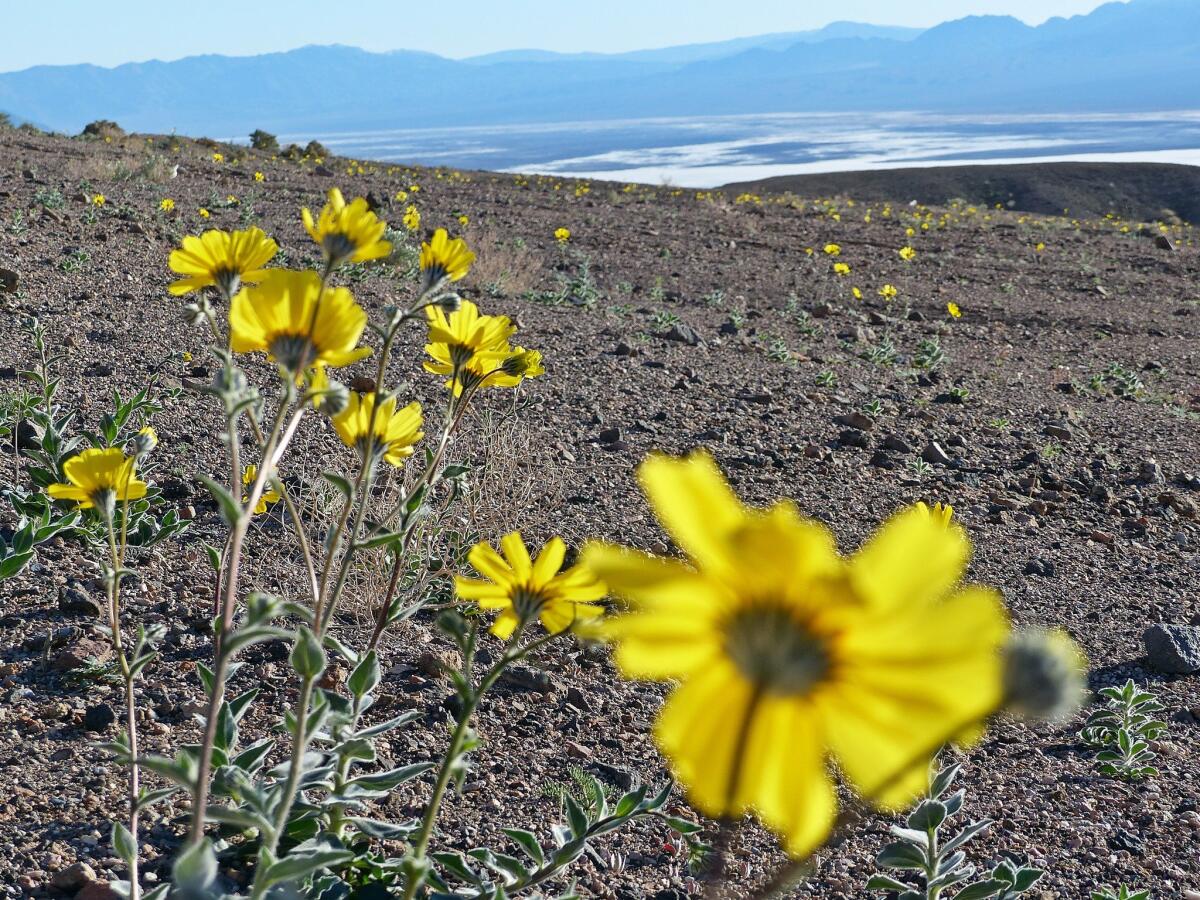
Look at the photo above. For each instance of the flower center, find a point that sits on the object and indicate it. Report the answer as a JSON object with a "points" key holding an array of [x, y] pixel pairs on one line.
{"points": [[775, 650], [294, 352]]}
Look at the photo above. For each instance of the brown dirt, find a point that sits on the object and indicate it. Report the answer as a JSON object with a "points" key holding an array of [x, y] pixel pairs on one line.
{"points": [[1106, 511]]}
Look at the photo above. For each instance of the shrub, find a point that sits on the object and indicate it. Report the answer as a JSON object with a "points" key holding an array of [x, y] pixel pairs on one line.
{"points": [[264, 141], [103, 128], [315, 149]]}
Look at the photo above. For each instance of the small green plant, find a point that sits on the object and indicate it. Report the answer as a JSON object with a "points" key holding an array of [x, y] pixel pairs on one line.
{"points": [[1124, 892], [1000, 423], [580, 288], [738, 319], [49, 198], [937, 859], [1122, 731], [873, 408], [959, 395], [929, 355], [883, 353], [778, 351], [664, 319], [1051, 451], [714, 298], [920, 468], [16, 224], [826, 378], [74, 261], [658, 293]]}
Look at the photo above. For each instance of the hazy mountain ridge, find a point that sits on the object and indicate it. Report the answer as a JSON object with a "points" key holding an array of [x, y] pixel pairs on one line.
{"points": [[1144, 55]]}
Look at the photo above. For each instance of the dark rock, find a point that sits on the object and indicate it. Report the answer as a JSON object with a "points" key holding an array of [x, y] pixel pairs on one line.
{"points": [[857, 420], [934, 454], [1058, 432], [524, 678], [852, 437], [684, 334], [8, 281], [1174, 649], [74, 600], [1038, 566], [578, 700], [896, 444], [29, 435], [610, 435], [882, 461], [99, 717], [622, 778]]}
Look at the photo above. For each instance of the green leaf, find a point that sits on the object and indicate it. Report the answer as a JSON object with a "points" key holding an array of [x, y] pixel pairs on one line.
{"points": [[339, 481], [365, 676], [123, 844], [576, 818], [528, 842], [195, 870], [387, 781], [928, 815], [901, 856], [230, 509], [885, 883], [981, 890], [683, 826], [297, 866], [308, 656]]}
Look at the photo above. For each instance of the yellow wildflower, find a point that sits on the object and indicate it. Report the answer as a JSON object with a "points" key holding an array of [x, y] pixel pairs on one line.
{"points": [[396, 432], [788, 653], [464, 220], [833, 250], [888, 292], [908, 254], [524, 589], [940, 513], [98, 478], [401, 196], [221, 258], [203, 213], [218, 158], [952, 308], [166, 204], [443, 258], [840, 268], [266, 498], [412, 218], [282, 318], [259, 176], [347, 233], [562, 235], [99, 200]]}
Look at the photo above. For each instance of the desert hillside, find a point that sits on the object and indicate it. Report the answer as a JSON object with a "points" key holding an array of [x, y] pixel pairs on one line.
{"points": [[1057, 410]]}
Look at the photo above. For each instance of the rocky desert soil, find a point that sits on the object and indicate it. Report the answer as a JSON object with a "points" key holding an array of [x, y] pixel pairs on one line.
{"points": [[1062, 423]]}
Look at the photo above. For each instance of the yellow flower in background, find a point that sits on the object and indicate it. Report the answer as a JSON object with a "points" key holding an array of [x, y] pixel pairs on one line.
{"points": [[952, 308], [456, 338], [401, 196], [166, 204], [524, 589], [444, 258], [221, 258], [99, 478], [908, 254], [858, 294], [99, 199], [833, 250], [203, 213], [347, 233], [269, 495], [909, 231], [888, 292], [841, 268], [218, 158], [412, 218], [231, 200], [942, 514], [395, 432], [1040, 247], [259, 176], [788, 654], [562, 235], [282, 318]]}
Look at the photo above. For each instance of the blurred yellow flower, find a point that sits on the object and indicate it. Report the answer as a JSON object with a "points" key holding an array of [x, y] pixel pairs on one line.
{"points": [[203, 213], [282, 318], [401, 196], [266, 498], [833, 250], [444, 258], [1040, 247], [259, 176], [942, 514], [99, 200], [952, 308], [787, 653], [464, 220], [221, 258], [888, 292], [412, 218], [858, 294], [218, 157], [98, 478], [908, 253], [347, 233], [166, 204], [840, 268], [524, 589], [562, 235], [396, 432]]}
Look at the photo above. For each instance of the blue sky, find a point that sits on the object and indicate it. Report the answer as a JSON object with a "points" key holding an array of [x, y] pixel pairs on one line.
{"points": [[110, 33]]}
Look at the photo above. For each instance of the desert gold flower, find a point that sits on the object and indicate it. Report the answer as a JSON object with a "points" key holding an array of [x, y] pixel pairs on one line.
{"points": [[283, 318], [908, 254], [347, 233], [888, 292], [464, 220], [396, 432], [98, 200], [443, 258], [457, 338], [524, 589], [412, 218], [221, 258], [952, 308], [562, 235], [841, 268], [166, 204], [1040, 247], [203, 213], [99, 478], [788, 653], [266, 498], [259, 176], [833, 250], [218, 157], [401, 196], [942, 514], [857, 292]]}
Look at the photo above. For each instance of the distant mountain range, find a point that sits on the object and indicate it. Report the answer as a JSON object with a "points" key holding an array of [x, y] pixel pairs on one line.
{"points": [[1123, 57]]}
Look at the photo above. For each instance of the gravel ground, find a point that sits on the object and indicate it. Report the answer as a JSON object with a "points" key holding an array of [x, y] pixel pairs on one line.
{"points": [[701, 320]]}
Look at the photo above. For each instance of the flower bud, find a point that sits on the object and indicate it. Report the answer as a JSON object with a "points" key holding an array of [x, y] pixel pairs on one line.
{"points": [[1044, 674], [450, 303], [145, 441], [335, 398], [520, 363]]}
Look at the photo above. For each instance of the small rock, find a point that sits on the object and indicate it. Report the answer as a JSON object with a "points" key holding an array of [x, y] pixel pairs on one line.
{"points": [[99, 717], [1150, 472], [8, 281], [857, 420], [578, 699], [1103, 537], [97, 890], [1058, 432], [74, 600], [896, 444], [73, 877], [610, 435], [524, 678], [81, 654], [1174, 649], [577, 751], [683, 334], [934, 454], [1038, 566]]}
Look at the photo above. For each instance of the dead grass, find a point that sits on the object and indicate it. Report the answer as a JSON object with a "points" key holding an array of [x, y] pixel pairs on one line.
{"points": [[503, 266], [152, 167]]}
